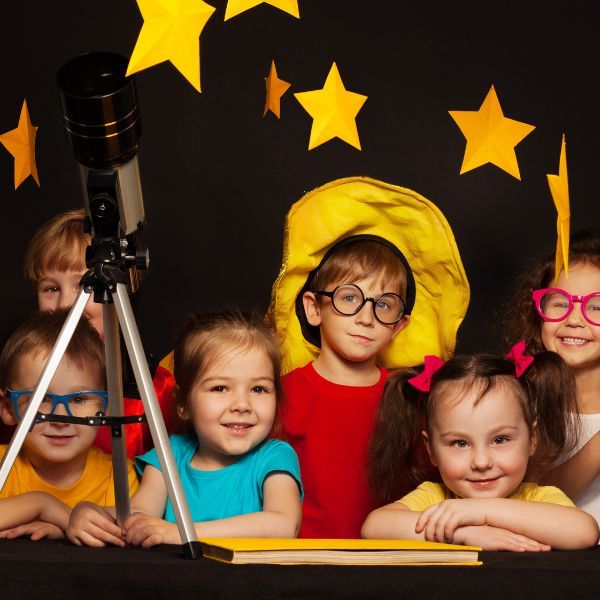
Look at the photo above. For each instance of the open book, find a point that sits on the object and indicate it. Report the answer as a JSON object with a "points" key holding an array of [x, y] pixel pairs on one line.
{"points": [[337, 552]]}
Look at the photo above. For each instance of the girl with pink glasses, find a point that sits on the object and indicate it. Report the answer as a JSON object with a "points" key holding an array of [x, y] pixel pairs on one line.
{"points": [[564, 316]]}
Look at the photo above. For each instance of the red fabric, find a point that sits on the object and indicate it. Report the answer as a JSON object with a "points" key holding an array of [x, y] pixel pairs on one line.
{"points": [[139, 439], [329, 425]]}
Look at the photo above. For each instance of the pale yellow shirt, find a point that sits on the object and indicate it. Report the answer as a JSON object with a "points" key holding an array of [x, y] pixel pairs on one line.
{"points": [[429, 493], [96, 483]]}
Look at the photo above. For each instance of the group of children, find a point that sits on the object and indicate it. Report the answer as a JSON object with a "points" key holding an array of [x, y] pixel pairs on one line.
{"points": [[485, 450]]}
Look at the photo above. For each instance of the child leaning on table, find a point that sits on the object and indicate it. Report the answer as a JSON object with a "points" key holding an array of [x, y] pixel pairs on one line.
{"points": [[57, 466], [489, 425], [238, 482]]}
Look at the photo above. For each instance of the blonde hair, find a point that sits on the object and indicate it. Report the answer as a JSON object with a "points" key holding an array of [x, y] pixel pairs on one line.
{"points": [[58, 244], [39, 334], [206, 338]]}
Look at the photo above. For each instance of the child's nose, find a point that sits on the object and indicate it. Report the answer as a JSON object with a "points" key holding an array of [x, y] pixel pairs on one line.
{"points": [[481, 459], [576, 316], [240, 402], [366, 314]]}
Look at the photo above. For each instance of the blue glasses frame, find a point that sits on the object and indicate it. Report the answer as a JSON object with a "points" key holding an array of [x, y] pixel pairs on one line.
{"points": [[57, 399]]}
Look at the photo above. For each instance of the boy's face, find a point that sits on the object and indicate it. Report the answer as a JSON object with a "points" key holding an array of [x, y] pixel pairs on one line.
{"points": [[51, 443], [58, 289], [356, 338]]}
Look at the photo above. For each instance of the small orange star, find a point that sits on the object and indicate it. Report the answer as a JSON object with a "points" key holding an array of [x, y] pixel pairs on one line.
{"points": [[20, 142], [275, 89]]}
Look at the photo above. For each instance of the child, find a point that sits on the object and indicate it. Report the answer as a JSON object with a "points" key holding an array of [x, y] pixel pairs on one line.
{"points": [[237, 482], [55, 263], [489, 425], [371, 276], [57, 467], [562, 316]]}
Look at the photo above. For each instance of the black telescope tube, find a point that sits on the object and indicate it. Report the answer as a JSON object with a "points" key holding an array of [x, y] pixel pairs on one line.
{"points": [[100, 109]]}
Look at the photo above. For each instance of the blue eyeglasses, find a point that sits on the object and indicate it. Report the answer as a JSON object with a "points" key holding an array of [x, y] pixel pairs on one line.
{"points": [[77, 404]]}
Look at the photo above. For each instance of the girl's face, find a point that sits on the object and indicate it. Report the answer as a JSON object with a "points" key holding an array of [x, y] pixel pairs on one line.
{"points": [[574, 339], [232, 407], [481, 450]]}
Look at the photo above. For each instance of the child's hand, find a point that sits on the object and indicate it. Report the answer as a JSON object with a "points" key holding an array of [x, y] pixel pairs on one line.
{"points": [[495, 538], [144, 530], [92, 525], [36, 530], [439, 522]]}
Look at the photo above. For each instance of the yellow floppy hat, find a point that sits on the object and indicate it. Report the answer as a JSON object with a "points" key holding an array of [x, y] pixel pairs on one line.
{"points": [[360, 206]]}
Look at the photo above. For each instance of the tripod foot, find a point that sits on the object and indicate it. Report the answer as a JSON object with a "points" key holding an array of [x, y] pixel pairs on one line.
{"points": [[192, 550]]}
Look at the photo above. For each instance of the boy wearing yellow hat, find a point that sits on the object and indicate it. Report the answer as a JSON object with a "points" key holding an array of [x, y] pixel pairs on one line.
{"points": [[371, 279]]}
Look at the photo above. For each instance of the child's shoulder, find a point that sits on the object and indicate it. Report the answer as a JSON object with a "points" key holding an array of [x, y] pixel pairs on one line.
{"points": [[542, 493]]}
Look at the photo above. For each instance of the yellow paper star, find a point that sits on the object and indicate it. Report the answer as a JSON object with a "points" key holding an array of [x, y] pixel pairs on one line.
{"points": [[171, 31], [20, 142], [333, 110], [559, 188], [491, 137], [275, 89], [235, 7]]}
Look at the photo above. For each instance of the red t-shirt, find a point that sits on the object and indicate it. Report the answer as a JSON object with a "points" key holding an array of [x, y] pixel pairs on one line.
{"points": [[329, 426]]}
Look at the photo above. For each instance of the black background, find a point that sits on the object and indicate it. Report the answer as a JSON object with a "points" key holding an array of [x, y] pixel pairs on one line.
{"points": [[218, 178]]}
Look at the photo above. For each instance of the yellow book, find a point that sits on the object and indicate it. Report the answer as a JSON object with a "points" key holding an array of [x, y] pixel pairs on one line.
{"points": [[337, 552]]}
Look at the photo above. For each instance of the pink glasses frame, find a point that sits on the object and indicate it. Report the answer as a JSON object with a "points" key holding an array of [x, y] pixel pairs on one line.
{"points": [[537, 296]]}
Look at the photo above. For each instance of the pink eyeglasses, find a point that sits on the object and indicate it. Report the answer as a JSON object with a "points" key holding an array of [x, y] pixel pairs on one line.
{"points": [[554, 304]]}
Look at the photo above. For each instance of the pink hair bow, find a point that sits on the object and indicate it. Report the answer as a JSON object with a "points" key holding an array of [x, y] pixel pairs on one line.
{"points": [[431, 364], [517, 355]]}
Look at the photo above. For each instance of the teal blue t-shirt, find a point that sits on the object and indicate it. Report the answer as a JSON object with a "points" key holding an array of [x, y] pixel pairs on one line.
{"points": [[233, 490]]}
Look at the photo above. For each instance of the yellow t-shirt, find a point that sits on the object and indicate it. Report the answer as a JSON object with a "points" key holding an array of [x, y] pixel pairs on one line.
{"points": [[428, 494], [96, 483]]}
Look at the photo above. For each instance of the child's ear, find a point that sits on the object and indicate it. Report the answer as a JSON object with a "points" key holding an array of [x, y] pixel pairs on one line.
{"points": [[533, 438], [311, 309], [182, 409], [400, 325], [6, 411], [427, 441]]}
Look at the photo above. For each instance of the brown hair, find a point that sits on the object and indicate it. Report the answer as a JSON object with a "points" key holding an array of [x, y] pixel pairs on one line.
{"points": [[205, 339], [546, 392], [39, 334], [360, 260], [520, 320], [58, 244]]}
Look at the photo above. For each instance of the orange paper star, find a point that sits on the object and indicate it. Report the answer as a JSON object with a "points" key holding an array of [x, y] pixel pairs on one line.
{"points": [[275, 89], [333, 110], [235, 7], [20, 142], [171, 31], [559, 188], [491, 137]]}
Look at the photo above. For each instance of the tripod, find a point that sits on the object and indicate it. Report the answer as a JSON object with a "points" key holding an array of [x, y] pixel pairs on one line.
{"points": [[107, 280]]}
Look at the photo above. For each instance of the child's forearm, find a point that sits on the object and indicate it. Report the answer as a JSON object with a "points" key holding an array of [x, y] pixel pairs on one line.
{"points": [[389, 523], [259, 524], [562, 527], [575, 475], [33, 506]]}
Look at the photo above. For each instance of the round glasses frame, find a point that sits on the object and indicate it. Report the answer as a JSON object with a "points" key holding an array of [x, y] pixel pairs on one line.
{"points": [[365, 299], [538, 295]]}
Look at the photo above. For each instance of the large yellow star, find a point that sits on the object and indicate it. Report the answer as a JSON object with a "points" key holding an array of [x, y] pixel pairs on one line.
{"points": [[333, 110], [275, 89], [559, 188], [171, 31], [235, 7], [20, 142], [491, 137]]}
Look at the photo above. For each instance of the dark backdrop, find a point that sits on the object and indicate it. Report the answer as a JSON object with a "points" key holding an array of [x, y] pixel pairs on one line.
{"points": [[218, 178]]}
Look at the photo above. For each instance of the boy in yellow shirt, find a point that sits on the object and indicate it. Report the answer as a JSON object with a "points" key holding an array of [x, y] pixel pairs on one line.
{"points": [[57, 466]]}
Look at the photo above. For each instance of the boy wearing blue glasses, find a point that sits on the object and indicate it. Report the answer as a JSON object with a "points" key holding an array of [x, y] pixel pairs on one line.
{"points": [[57, 466], [371, 280]]}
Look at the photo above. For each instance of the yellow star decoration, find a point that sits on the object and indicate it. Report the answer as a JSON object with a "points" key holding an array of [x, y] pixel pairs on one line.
{"points": [[171, 31], [20, 142], [333, 110], [275, 89], [559, 188], [491, 137], [235, 7]]}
